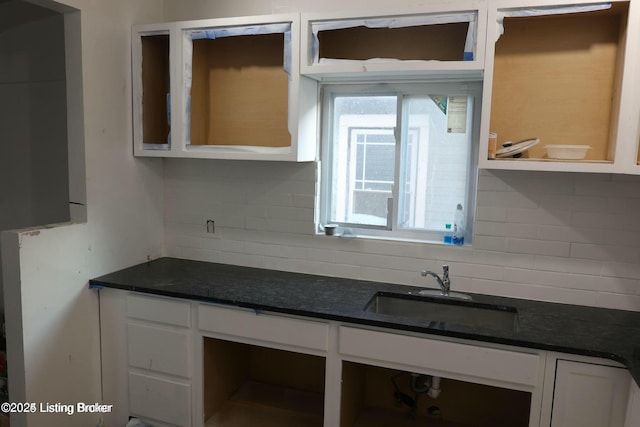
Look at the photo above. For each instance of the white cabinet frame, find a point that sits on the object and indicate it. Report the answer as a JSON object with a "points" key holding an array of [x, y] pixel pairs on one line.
{"points": [[396, 69]]}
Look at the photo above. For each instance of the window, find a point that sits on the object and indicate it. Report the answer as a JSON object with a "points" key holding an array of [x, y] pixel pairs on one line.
{"points": [[397, 159]]}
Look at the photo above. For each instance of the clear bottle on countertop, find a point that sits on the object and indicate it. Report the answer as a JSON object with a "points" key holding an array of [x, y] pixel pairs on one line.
{"points": [[458, 226], [448, 234]]}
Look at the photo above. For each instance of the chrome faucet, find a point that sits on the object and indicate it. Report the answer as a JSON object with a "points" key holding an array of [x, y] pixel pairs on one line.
{"points": [[445, 283]]}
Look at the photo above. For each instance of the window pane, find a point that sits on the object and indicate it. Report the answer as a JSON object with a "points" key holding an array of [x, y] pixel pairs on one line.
{"points": [[363, 158], [435, 160]]}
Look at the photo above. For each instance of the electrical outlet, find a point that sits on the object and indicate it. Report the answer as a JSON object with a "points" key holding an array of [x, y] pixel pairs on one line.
{"points": [[211, 226]]}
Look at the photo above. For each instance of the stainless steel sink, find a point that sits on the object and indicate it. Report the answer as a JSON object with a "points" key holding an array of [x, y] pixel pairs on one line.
{"points": [[440, 312]]}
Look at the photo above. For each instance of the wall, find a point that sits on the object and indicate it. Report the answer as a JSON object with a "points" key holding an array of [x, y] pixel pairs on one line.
{"points": [[53, 325], [561, 237], [548, 236], [34, 176]]}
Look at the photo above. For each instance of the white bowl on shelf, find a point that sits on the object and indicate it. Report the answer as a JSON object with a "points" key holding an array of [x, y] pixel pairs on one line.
{"points": [[567, 152]]}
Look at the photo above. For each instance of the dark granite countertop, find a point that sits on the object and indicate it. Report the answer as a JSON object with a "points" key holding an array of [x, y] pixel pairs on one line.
{"points": [[596, 332]]}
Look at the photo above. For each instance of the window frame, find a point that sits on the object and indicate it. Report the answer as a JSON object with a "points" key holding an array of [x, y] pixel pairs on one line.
{"points": [[400, 89]]}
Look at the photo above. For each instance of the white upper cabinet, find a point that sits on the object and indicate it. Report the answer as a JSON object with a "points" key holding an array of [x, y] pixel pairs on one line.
{"points": [[248, 87], [563, 74], [438, 39], [235, 90]]}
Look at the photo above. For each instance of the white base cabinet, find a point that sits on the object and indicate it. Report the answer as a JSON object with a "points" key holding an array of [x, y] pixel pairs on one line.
{"points": [[195, 364], [159, 355], [589, 395]]}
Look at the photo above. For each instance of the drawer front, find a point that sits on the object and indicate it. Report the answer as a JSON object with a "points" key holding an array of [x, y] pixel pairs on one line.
{"points": [[162, 310], [159, 349], [249, 324], [456, 358], [159, 399]]}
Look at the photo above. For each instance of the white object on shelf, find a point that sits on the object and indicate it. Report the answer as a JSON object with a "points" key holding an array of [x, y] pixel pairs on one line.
{"points": [[512, 148], [567, 152]]}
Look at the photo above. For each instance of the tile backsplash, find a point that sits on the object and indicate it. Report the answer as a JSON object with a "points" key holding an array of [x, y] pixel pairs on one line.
{"points": [[562, 237]]}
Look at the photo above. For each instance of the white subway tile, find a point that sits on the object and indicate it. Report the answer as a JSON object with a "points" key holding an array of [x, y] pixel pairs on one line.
{"points": [[383, 275], [589, 204], [303, 201], [285, 213], [179, 215], [490, 243], [546, 236], [293, 187], [532, 277], [553, 202], [542, 183], [505, 199], [608, 189], [491, 183], [621, 238], [538, 247], [497, 259], [626, 178], [487, 228], [277, 251], [567, 265], [605, 252], [570, 234], [182, 168], [619, 269], [460, 270], [491, 213], [535, 292], [538, 216], [612, 285], [594, 220], [618, 301], [523, 231], [623, 205], [270, 198], [413, 265], [277, 225]]}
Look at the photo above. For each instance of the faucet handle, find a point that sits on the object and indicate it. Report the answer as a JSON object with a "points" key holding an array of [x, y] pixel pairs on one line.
{"points": [[445, 269]]}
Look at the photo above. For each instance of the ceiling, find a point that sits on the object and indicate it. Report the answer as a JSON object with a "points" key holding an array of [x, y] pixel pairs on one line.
{"points": [[14, 13]]}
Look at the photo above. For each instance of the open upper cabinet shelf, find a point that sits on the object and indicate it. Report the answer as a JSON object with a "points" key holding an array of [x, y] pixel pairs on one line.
{"points": [[560, 74], [442, 40], [247, 87], [226, 88]]}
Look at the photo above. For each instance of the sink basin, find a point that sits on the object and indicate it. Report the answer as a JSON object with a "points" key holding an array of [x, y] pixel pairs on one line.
{"points": [[441, 312]]}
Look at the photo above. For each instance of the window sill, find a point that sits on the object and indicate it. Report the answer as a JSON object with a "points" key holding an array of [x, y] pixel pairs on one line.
{"points": [[348, 234]]}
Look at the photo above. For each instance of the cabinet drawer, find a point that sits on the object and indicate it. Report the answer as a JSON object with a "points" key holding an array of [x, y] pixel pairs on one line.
{"points": [[249, 324], [159, 349], [160, 399], [162, 310], [444, 356]]}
